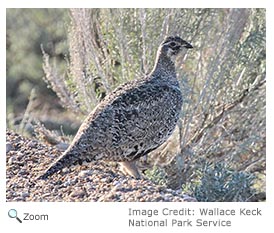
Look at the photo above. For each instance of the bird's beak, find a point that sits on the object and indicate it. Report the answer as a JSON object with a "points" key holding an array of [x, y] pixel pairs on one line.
{"points": [[187, 45]]}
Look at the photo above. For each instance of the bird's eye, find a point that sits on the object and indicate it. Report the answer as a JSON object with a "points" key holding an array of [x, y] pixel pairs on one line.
{"points": [[172, 44]]}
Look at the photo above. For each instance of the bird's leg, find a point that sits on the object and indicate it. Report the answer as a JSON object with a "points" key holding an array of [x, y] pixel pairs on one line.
{"points": [[129, 167]]}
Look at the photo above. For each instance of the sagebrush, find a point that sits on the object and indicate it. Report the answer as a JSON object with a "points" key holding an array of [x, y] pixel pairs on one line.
{"points": [[222, 79]]}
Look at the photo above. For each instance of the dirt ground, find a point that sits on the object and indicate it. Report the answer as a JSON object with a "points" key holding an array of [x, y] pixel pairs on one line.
{"points": [[96, 181]]}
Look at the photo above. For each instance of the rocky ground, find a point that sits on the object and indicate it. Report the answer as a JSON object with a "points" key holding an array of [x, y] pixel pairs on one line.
{"points": [[96, 181]]}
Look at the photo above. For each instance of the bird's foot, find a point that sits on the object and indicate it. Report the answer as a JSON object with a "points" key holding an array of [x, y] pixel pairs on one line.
{"points": [[129, 168]]}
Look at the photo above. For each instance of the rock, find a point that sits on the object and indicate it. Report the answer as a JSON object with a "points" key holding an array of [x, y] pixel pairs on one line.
{"points": [[62, 146], [78, 193], [9, 147], [11, 160], [95, 181], [85, 173], [25, 194]]}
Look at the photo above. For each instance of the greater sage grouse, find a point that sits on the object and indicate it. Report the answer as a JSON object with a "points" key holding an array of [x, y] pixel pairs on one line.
{"points": [[133, 120]]}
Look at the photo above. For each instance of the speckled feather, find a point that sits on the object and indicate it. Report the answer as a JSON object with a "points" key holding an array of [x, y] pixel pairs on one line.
{"points": [[133, 120]]}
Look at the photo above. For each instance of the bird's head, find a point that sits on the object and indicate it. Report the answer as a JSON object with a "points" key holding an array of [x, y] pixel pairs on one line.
{"points": [[172, 45]]}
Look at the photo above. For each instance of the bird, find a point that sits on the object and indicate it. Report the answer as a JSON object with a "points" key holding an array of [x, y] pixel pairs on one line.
{"points": [[133, 120]]}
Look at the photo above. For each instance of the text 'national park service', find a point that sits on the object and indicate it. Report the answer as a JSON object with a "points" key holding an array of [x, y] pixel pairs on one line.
{"points": [[187, 217]]}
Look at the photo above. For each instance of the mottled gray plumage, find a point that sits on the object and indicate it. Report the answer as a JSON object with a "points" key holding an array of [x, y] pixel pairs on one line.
{"points": [[133, 120]]}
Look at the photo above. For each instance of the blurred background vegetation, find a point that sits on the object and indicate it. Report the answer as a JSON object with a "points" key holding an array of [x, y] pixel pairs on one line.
{"points": [[62, 62]]}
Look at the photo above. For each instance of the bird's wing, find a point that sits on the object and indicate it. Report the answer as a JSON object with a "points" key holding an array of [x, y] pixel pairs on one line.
{"points": [[133, 122]]}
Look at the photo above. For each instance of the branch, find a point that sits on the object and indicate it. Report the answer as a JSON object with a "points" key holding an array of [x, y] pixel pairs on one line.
{"points": [[225, 109]]}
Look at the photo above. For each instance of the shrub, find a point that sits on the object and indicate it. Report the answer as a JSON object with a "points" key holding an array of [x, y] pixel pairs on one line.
{"points": [[217, 182]]}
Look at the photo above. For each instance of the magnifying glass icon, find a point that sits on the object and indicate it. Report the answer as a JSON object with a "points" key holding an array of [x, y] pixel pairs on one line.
{"points": [[13, 214]]}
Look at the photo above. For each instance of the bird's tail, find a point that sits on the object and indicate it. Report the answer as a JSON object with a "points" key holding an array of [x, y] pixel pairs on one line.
{"points": [[67, 159]]}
